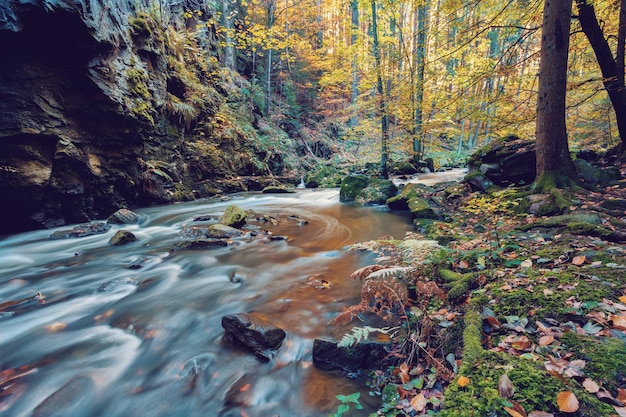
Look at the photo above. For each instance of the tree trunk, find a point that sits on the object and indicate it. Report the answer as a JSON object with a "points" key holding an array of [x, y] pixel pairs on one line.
{"points": [[271, 18], [227, 22], [554, 163], [384, 155], [420, 65], [354, 96], [612, 69]]}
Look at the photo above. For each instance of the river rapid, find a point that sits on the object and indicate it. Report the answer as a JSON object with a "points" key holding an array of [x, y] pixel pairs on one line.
{"points": [[135, 330]]}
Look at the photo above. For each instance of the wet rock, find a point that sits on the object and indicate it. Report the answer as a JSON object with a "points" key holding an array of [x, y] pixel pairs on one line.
{"points": [[234, 216], [199, 244], [365, 355], [411, 190], [110, 286], [325, 176], [70, 399], [221, 231], [254, 332], [365, 190], [420, 209], [122, 237], [403, 168], [509, 160], [123, 216], [82, 230], [277, 189]]}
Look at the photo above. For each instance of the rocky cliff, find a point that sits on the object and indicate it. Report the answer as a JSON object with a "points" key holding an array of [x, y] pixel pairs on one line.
{"points": [[100, 108]]}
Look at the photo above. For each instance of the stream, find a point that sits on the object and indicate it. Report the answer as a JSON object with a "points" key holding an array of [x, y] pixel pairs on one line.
{"points": [[104, 339], [135, 330]]}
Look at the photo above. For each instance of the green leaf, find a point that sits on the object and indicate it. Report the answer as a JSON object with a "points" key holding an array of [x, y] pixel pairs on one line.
{"points": [[353, 398], [342, 408]]}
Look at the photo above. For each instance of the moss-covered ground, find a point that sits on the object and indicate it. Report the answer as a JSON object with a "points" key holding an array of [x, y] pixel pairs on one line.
{"points": [[515, 314]]}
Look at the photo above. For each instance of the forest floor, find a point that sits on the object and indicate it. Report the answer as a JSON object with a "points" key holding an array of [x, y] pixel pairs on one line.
{"points": [[513, 314]]}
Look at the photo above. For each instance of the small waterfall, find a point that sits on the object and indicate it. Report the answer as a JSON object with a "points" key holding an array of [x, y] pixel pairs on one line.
{"points": [[302, 184]]}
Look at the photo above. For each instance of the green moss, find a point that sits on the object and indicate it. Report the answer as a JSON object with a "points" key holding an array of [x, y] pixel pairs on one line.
{"points": [[351, 186], [325, 176], [604, 357], [535, 389], [589, 229], [137, 81], [234, 216], [141, 110], [420, 208], [401, 201]]}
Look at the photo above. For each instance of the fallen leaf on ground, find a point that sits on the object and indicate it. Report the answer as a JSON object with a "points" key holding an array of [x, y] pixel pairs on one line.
{"points": [[540, 414], [463, 381], [505, 386], [419, 402], [546, 340], [579, 260], [591, 386], [567, 401]]}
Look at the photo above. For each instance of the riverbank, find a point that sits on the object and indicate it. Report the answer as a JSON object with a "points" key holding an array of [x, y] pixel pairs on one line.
{"points": [[512, 314]]}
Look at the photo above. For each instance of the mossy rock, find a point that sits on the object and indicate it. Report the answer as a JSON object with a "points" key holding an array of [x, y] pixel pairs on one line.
{"points": [[221, 231], [234, 216], [411, 190], [277, 189], [351, 187], [325, 176], [420, 209], [564, 220], [122, 237], [614, 204], [378, 191], [403, 168]]}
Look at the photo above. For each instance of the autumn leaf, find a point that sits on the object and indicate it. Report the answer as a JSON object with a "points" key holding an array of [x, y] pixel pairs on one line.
{"points": [[567, 401], [546, 340], [591, 386], [516, 411], [621, 411], [621, 395], [579, 260], [463, 381], [505, 387], [619, 322], [622, 299], [527, 263], [419, 402]]}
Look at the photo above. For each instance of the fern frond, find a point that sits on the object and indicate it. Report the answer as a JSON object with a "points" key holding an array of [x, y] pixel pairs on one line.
{"points": [[358, 334], [389, 272], [364, 272]]}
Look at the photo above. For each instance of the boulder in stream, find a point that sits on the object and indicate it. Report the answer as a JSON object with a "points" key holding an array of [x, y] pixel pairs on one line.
{"points": [[365, 355], [199, 244], [365, 190], [123, 216], [277, 189], [122, 237], [221, 231], [82, 230], [254, 332], [234, 216]]}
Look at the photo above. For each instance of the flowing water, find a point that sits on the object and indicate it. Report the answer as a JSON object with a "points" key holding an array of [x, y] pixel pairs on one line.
{"points": [[135, 330]]}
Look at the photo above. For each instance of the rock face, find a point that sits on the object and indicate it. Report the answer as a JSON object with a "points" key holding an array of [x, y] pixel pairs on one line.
{"points": [[88, 116], [255, 333], [505, 161]]}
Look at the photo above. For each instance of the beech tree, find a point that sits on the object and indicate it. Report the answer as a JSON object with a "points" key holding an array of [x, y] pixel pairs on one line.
{"points": [[612, 67], [554, 163]]}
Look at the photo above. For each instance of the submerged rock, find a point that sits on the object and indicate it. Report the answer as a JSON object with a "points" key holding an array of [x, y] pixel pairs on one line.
{"points": [[82, 230], [199, 244], [70, 399], [254, 332], [221, 231], [365, 355]]}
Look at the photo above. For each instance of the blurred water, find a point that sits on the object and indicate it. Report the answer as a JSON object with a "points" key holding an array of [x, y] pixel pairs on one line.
{"points": [[104, 339]]}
